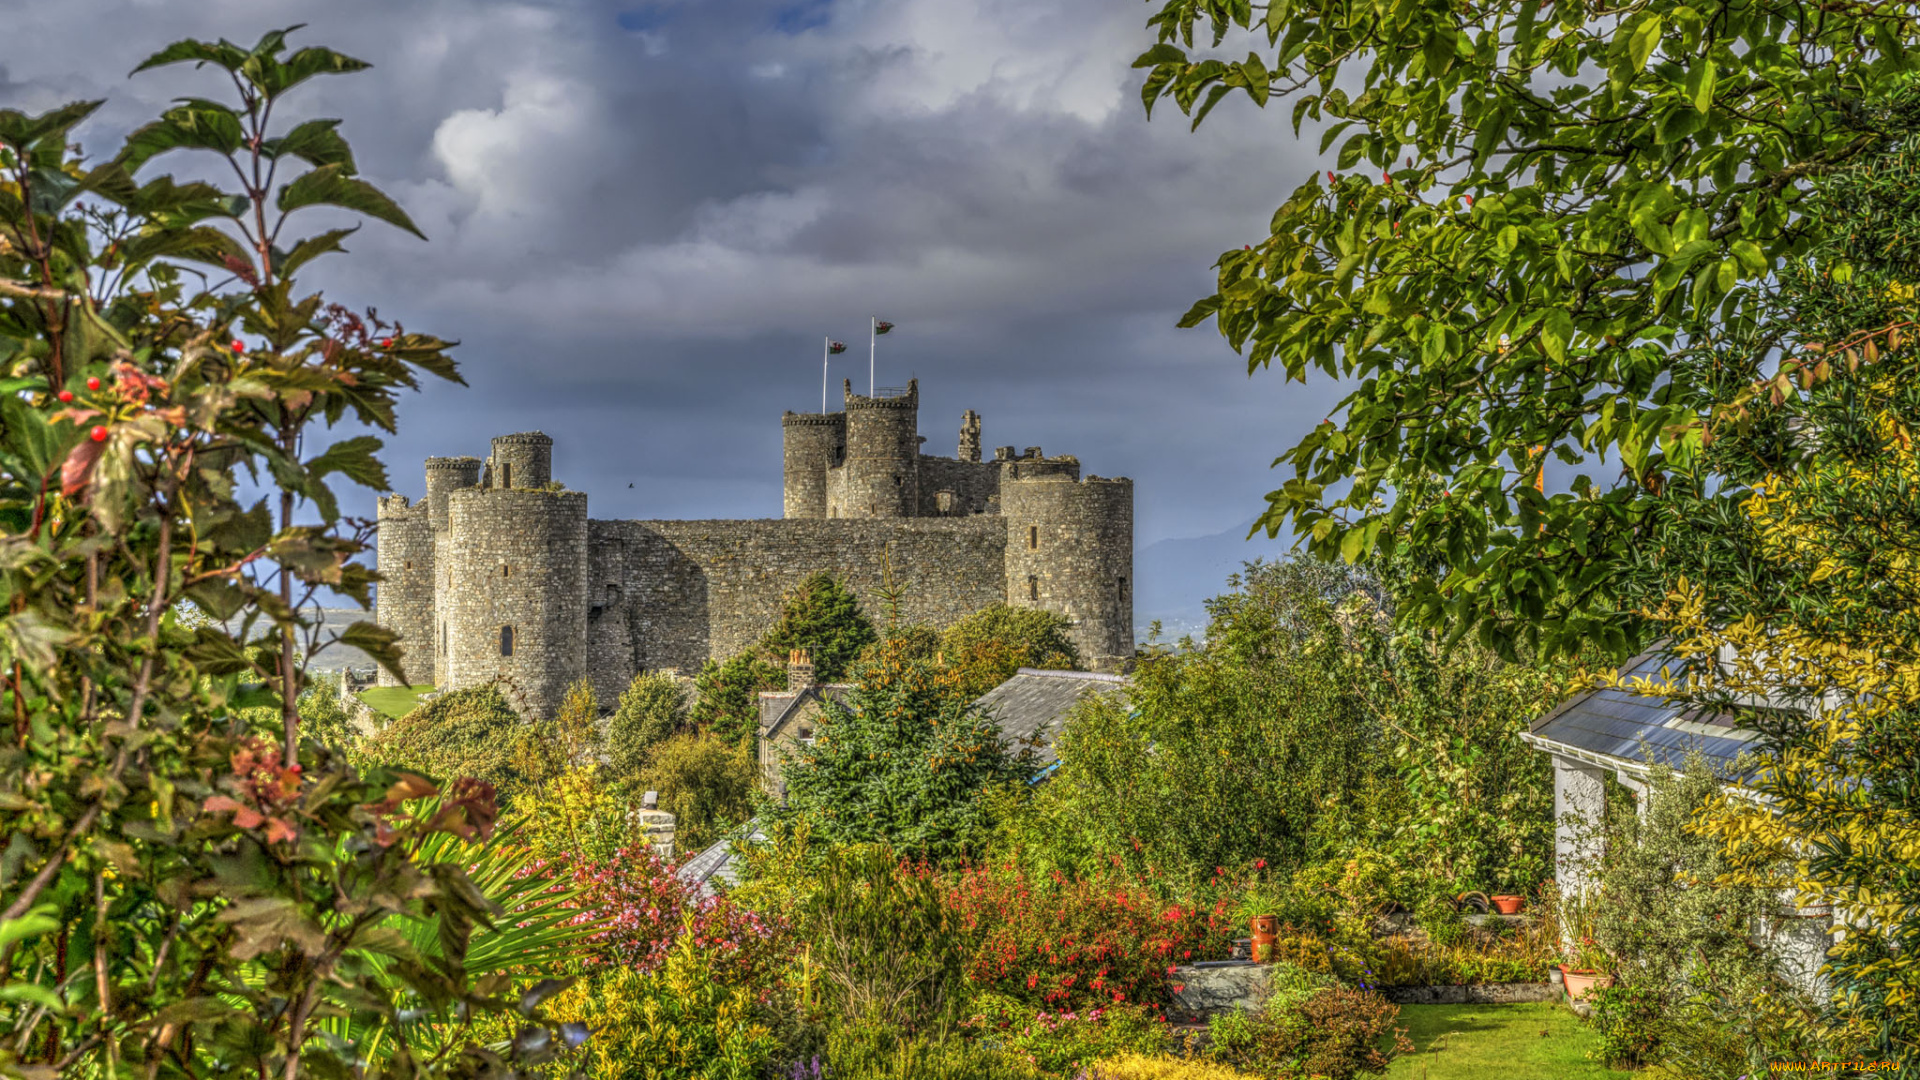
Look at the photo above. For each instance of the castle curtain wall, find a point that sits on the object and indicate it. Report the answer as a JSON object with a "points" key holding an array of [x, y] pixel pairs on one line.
{"points": [[700, 589]]}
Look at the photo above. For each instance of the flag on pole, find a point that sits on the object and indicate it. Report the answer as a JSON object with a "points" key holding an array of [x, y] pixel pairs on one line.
{"points": [[836, 347], [881, 327]]}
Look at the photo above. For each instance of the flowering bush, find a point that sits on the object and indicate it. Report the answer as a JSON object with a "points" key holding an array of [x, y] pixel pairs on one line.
{"points": [[1059, 1042], [1074, 943], [1334, 1032]]}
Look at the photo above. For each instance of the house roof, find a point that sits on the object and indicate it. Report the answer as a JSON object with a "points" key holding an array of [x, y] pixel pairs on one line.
{"points": [[1624, 729], [1033, 703], [716, 863], [777, 707]]}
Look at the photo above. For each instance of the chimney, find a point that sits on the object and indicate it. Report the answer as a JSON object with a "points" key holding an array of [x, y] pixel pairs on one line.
{"points": [[799, 671]]}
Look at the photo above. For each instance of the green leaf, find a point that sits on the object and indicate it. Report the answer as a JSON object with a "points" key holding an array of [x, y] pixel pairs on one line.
{"points": [[1700, 81], [330, 186], [38, 921], [276, 78], [1163, 53], [21, 131], [354, 459], [1556, 329], [316, 142], [312, 248], [1642, 40], [223, 53], [198, 125]]}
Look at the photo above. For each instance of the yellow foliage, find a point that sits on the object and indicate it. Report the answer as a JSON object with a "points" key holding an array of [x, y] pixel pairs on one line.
{"points": [[1136, 1067]]}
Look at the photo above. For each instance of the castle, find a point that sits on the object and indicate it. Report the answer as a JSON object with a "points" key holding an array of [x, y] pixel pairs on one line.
{"points": [[499, 573]]}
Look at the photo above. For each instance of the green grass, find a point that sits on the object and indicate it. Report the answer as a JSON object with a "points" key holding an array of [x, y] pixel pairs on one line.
{"points": [[393, 701], [1513, 1042]]}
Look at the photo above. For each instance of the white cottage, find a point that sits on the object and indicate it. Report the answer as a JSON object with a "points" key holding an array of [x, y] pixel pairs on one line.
{"points": [[1625, 733]]}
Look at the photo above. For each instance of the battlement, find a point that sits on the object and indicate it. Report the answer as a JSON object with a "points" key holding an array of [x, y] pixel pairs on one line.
{"points": [[794, 419], [524, 438], [454, 464], [895, 399]]}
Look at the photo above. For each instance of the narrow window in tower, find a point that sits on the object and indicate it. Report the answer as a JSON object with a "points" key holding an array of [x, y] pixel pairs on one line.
{"points": [[506, 474], [506, 570], [1033, 538], [506, 641], [1033, 588], [408, 566], [896, 481], [443, 639], [1122, 591]]}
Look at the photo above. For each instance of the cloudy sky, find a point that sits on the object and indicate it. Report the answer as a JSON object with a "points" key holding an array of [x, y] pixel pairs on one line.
{"points": [[644, 216]]}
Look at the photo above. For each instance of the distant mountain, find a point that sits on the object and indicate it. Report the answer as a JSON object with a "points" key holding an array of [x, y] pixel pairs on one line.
{"points": [[1176, 577]]}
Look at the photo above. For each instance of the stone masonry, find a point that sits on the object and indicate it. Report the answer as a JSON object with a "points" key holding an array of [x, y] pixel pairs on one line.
{"points": [[499, 574]]}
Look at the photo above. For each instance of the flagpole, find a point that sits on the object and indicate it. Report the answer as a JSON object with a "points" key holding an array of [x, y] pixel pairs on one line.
{"points": [[873, 336], [826, 346]]}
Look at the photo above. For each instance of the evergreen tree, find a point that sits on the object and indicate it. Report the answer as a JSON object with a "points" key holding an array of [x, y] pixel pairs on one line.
{"points": [[728, 695], [907, 761], [984, 649], [821, 616]]}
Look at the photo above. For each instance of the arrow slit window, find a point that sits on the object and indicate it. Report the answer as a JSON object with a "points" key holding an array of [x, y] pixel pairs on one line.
{"points": [[506, 641]]}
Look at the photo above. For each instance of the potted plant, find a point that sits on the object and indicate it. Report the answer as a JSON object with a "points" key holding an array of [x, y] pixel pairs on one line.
{"points": [[1266, 932], [1587, 972], [1508, 903]]}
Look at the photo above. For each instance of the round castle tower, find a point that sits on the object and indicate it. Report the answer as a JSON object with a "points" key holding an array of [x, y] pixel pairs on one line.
{"points": [[516, 605], [813, 443], [1070, 550], [880, 477], [403, 601], [445, 475], [521, 461]]}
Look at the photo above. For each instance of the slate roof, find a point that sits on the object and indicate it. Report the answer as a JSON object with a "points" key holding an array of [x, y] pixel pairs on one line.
{"points": [[778, 707], [1623, 729], [716, 863], [1035, 702]]}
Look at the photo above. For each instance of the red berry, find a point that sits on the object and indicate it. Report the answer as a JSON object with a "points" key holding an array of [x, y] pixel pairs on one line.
{"points": [[66, 395], [386, 343], [93, 383], [1330, 177], [239, 346], [99, 433]]}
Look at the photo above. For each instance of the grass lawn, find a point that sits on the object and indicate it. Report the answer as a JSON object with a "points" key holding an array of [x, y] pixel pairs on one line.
{"points": [[1513, 1042], [393, 701]]}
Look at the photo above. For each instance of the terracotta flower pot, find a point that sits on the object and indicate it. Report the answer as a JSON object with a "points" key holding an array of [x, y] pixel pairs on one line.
{"points": [[1581, 982], [1266, 931], [1508, 904]]}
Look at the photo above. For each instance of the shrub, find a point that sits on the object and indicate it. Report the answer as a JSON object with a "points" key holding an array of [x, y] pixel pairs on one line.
{"points": [[1078, 943], [706, 783], [1059, 1042], [821, 616], [1334, 1033], [868, 1051], [688, 1020], [905, 762], [652, 709], [889, 951], [640, 910], [984, 649], [1142, 1067], [465, 733], [575, 818], [1626, 1018]]}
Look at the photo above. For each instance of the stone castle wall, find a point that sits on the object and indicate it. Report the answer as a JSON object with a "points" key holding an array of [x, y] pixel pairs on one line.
{"points": [[404, 603], [975, 485], [1070, 550], [517, 566], [812, 444], [674, 593]]}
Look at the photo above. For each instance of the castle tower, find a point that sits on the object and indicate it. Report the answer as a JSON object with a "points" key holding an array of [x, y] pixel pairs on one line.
{"points": [[1070, 551], [814, 443], [516, 606], [880, 477], [969, 436], [521, 461], [403, 601], [445, 475]]}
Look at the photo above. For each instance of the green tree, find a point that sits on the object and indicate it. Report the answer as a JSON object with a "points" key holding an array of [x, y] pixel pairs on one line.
{"points": [[179, 895], [652, 709], [705, 782], [1556, 202], [727, 696], [984, 649], [823, 617], [906, 761]]}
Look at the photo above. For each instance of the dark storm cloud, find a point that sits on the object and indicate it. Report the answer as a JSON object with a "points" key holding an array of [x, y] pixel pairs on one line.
{"points": [[644, 216]]}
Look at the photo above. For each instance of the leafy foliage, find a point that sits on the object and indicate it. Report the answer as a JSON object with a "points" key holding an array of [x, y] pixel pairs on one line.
{"points": [[885, 941], [906, 761], [727, 696], [652, 709], [823, 617], [179, 897], [987, 647], [466, 733], [1569, 198], [704, 782]]}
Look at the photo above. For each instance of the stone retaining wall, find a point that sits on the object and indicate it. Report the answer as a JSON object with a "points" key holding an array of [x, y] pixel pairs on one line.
{"points": [[1215, 987]]}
